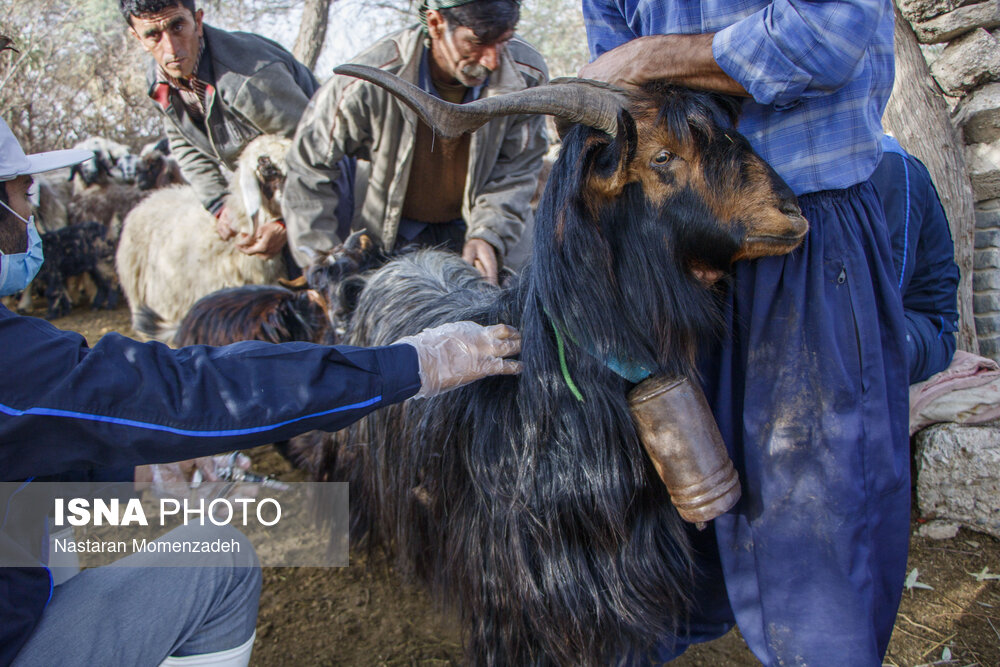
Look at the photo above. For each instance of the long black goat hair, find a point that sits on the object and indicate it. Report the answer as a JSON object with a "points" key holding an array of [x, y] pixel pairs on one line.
{"points": [[528, 503], [537, 514]]}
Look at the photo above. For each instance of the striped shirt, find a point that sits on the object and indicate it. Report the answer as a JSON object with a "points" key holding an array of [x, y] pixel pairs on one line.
{"points": [[819, 73]]}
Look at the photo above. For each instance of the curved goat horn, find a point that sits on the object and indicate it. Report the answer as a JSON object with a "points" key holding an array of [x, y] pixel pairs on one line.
{"points": [[582, 101]]}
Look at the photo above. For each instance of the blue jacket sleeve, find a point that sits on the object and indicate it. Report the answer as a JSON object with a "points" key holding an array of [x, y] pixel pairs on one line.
{"points": [[924, 258], [64, 406], [930, 292], [798, 48]]}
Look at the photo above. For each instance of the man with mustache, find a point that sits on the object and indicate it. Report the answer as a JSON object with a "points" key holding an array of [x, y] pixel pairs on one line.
{"points": [[470, 194], [217, 91]]}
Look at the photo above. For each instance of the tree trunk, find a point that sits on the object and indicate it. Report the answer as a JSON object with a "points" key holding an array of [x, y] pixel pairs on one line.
{"points": [[312, 32], [918, 117]]}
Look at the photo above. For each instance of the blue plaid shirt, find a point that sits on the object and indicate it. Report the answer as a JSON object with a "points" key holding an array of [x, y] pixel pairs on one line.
{"points": [[819, 72]]}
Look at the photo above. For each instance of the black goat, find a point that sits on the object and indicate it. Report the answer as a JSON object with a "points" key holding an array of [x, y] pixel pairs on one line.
{"points": [[269, 313], [527, 502], [87, 248], [158, 169]]}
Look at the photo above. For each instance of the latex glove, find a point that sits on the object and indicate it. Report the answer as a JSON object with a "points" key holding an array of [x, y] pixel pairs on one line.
{"points": [[483, 257], [458, 353], [177, 479], [267, 241]]}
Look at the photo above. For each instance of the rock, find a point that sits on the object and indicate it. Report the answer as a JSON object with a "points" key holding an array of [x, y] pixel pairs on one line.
{"points": [[980, 115], [987, 325], [989, 347], [988, 210], [958, 475], [986, 258], [986, 280], [969, 61], [986, 303], [987, 238], [938, 530], [922, 10], [947, 27], [983, 161]]}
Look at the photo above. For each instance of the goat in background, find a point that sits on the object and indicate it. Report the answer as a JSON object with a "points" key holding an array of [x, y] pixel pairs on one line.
{"points": [[157, 167], [527, 503]]}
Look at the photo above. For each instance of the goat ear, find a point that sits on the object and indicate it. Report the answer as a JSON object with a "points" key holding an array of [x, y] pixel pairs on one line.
{"points": [[250, 192], [609, 168], [296, 284], [730, 106]]}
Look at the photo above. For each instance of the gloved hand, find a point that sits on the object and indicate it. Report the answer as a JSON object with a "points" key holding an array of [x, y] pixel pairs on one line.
{"points": [[458, 353], [179, 478]]}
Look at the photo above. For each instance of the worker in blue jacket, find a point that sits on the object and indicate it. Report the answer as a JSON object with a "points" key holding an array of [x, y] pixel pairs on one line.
{"points": [[924, 256], [67, 407]]}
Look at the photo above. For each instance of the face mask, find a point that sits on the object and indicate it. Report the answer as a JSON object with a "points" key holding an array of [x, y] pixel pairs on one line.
{"points": [[17, 270]]}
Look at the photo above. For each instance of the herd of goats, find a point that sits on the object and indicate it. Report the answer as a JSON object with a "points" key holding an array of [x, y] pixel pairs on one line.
{"points": [[526, 503]]}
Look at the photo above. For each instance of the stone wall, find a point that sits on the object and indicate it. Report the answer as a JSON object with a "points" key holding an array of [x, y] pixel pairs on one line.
{"points": [[957, 480], [963, 52]]}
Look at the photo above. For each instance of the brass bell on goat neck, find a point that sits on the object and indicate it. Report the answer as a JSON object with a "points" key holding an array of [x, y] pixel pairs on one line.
{"points": [[682, 439]]}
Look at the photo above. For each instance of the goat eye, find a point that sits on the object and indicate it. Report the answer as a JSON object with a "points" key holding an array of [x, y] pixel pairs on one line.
{"points": [[663, 157]]}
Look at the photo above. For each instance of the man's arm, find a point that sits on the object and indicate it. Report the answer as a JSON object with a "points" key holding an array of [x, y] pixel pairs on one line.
{"points": [[930, 299], [201, 171], [683, 59], [273, 100], [128, 403], [786, 51], [334, 124], [502, 206]]}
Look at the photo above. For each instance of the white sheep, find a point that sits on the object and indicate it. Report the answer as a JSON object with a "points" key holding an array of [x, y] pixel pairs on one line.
{"points": [[170, 254]]}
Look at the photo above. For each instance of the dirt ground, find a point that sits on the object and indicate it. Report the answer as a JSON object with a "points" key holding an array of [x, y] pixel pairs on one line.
{"points": [[366, 614]]}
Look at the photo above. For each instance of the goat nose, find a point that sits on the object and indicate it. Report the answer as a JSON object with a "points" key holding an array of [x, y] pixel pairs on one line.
{"points": [[790, 207]]}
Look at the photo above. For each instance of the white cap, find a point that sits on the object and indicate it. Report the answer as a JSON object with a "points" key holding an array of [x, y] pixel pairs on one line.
{"points": [[14, 163]]}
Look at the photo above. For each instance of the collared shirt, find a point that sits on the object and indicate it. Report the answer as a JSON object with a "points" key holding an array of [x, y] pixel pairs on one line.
{"points": [[192, 90], [819, 73]]}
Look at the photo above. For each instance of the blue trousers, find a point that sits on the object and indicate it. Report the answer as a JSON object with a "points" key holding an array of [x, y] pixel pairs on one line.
{"points": [[809, 388], [147, 606]]}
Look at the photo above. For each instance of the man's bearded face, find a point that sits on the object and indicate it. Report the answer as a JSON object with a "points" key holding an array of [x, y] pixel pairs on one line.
{"points": [[469, 59]]}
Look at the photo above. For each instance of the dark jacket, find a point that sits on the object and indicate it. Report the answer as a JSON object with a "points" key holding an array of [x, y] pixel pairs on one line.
{"points": [[67, 407], [924, 257], [256, 87]]}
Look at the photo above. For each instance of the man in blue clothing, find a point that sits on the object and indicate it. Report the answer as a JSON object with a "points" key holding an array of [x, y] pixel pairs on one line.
{"points": [[66, 407], [924, 258], [809, 384]]}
